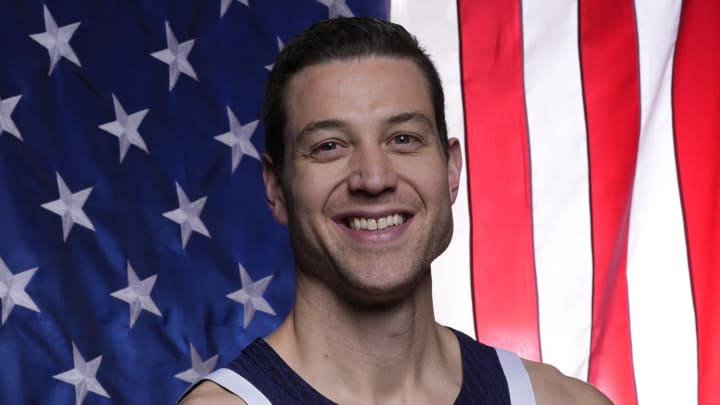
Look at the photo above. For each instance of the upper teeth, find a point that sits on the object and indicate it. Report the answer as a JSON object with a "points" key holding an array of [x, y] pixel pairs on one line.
{"points": [[373, 224]]}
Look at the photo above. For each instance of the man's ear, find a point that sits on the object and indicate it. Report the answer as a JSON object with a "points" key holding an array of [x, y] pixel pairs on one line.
{"points": [[273, 190], [454, 167]]}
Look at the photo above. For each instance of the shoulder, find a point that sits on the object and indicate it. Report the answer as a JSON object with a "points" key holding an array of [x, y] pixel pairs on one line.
{"points": [[207, 392], [553, 387]]}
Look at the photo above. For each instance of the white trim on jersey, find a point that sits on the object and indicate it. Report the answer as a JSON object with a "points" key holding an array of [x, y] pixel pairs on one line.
{"points": [[518, 380], [236, 384]]}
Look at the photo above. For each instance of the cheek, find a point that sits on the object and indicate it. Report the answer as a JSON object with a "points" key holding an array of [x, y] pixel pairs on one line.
{"points": [[430, 180], [310, 191]]}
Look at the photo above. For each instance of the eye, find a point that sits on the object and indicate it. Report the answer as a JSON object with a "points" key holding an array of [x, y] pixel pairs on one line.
{"points": [[404, 142], [327, 146], [327, 150], [402, 139]]}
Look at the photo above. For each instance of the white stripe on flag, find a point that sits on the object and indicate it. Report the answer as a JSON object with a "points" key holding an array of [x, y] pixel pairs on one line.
{"points": [[660, 297], [435, 25], [560, 191]]}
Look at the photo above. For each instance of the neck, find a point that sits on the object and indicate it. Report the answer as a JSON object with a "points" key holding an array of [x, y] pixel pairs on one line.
{"points": [[379, 354]]}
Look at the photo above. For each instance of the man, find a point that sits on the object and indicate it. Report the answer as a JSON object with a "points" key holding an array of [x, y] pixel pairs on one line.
{"points": [[360, 168]]}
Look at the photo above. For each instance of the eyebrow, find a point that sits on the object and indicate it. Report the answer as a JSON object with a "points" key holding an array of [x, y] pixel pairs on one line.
{"points": [[414, 116], [320, 125], [397, 119]]}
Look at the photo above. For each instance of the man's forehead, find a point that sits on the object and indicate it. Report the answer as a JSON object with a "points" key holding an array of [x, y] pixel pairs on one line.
{"points": [[338, 75], [362, 60], [389, 90]]}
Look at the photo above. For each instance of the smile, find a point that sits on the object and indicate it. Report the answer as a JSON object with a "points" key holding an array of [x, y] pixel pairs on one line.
{"points": [[376, 224]]}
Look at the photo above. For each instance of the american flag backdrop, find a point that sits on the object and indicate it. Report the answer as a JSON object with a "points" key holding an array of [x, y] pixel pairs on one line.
{"points": [[592, 134], [137, 253]]}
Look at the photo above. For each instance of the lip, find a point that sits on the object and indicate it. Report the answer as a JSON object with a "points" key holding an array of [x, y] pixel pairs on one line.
{"points": [[384, 236], [371, 214]]}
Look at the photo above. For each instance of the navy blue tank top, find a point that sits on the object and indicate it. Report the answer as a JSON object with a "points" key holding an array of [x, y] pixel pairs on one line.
{"points": [[483, 382]]}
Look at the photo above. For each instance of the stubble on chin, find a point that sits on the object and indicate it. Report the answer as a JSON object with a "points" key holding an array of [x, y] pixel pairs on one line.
{"points": [[379, 282]]}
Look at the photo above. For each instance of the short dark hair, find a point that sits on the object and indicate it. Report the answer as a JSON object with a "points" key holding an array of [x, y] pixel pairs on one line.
{"points": [[342, 39]]}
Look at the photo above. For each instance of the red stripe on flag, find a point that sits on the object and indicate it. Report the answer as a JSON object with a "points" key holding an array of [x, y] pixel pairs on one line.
{"points": [[608, 55], [503, 277], [696, 101]]}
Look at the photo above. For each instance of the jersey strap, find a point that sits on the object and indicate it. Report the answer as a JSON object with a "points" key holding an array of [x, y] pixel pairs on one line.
{"points": [[236, 384], [518, 380]]}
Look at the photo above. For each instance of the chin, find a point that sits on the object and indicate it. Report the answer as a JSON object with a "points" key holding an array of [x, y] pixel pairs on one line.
{"points": [[375, 302], [376, 294]]}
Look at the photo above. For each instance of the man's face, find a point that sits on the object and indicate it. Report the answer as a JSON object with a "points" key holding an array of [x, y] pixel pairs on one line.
{"points": [[366, 189]]}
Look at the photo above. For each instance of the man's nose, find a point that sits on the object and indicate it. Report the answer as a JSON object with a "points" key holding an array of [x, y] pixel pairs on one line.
{"points": [[373, 172]]}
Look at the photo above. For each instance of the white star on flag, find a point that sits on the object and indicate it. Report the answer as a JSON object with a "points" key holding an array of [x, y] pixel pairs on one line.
{"points": [[12, 290], [57, 40], [137, 294], [175, 55], [336, 8], [225, 4], [251, 296], [82, 376], [69, 207], [125, 127], [7, 107], [188, 216], [280, 45], [200, 368], [238, 139]]}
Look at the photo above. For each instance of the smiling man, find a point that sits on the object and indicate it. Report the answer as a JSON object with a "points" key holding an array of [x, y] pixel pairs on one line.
{"points": [[360, 167]]}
